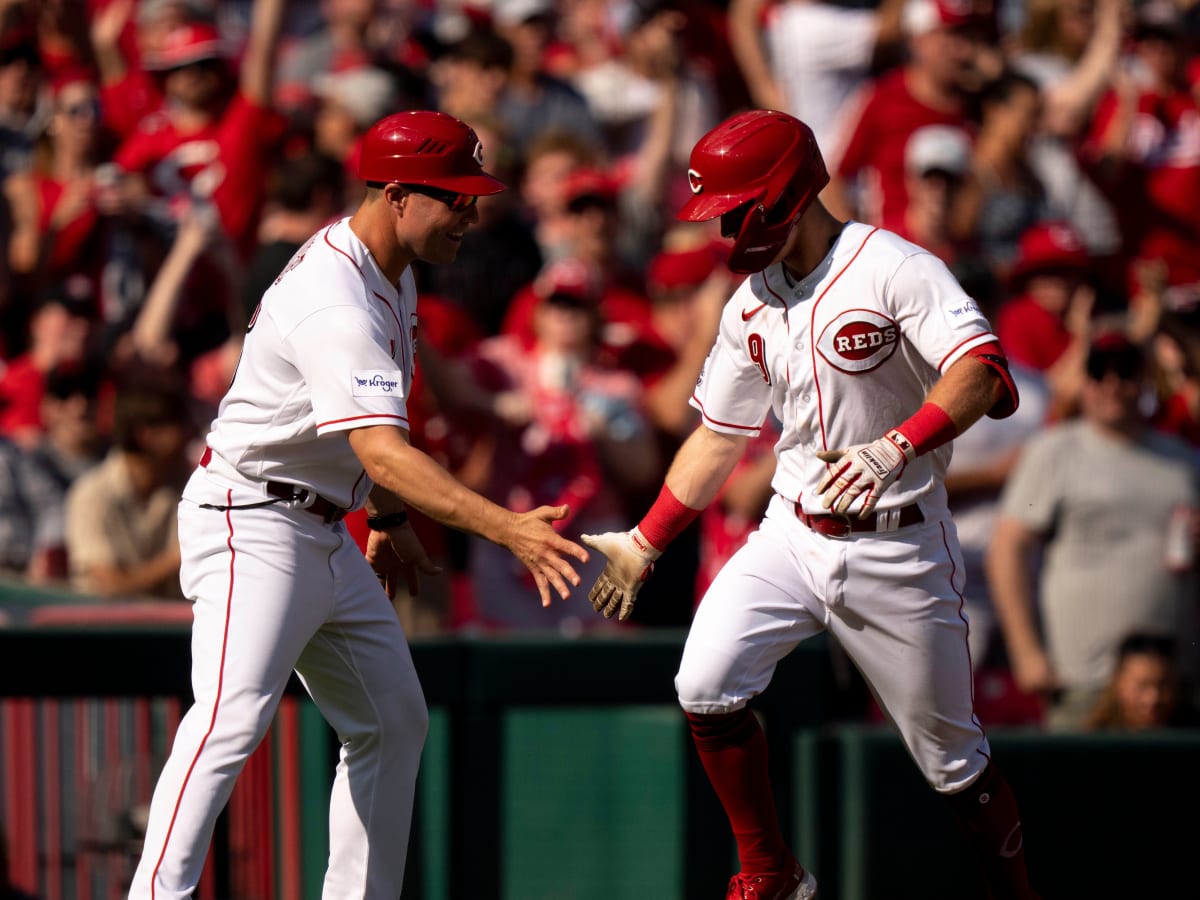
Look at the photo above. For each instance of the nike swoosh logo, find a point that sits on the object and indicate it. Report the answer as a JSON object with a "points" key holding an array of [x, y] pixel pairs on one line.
{"points": [[747, 313]]}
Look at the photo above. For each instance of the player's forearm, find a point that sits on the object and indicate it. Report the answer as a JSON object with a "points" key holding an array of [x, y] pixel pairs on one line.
{"points": [[415, 479], [702, 465], [966, 392]]}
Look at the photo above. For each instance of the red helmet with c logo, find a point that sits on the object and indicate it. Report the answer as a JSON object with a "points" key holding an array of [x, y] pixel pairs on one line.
{"points": [[763, 160], [426, 147]]}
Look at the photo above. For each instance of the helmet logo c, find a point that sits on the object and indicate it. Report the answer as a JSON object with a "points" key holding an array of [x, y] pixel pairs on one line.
{"points": [[695, 181], [478, 154]]}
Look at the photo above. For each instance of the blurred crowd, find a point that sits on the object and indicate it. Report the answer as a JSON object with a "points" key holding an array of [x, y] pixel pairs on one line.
{"points": [[162, 160]]}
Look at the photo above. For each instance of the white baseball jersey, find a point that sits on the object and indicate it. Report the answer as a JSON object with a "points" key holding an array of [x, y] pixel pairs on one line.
{"points": [[841, 356], [329, 348], [277, 589]]}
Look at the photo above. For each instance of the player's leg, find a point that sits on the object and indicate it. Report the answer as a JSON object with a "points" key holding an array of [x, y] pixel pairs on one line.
{"points": [[360, 674], [898, 612], [758, 608], [250, 624]]}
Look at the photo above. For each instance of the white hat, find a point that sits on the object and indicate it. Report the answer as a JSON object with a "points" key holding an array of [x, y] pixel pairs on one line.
{"points": [[941, 148], [366, 92], [920, 16], [514, 12]]}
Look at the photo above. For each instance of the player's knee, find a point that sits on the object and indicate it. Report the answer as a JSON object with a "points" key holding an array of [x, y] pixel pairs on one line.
{"points": [[950, 776], [701, 693]]}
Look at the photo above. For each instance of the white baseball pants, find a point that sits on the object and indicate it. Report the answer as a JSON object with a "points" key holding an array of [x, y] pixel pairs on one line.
{"points": [[274, 589], [893, 602]]}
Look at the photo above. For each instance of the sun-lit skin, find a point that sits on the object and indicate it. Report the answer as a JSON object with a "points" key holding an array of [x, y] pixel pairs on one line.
{"points": [[400, 226]]}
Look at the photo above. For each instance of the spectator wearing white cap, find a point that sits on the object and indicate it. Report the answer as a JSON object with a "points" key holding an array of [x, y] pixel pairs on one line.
{"points": [[937, 158], [931, 88], [350, 101]]}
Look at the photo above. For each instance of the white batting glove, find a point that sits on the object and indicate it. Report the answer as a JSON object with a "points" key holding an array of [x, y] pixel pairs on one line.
{"points": [[865, 470], [630, 561]]}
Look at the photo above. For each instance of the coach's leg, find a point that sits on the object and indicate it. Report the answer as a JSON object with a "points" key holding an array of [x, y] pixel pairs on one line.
{"points": [[755, 613], [359, 672], [249, 627]]}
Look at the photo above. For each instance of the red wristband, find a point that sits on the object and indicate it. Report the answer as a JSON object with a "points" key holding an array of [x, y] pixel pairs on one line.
{"points": [[928, 428], [666, 519]]}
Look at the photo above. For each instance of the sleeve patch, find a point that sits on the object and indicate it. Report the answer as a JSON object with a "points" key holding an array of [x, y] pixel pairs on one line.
{"points": [[376, 382]]}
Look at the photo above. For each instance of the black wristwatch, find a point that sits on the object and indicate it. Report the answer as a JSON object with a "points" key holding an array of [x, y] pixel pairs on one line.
{"points": [[391, 520]]}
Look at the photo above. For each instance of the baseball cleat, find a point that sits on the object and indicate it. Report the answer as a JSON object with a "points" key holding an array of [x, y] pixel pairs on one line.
{"points": [[792, 883]]}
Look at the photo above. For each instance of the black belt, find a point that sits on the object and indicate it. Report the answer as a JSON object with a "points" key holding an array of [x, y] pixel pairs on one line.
{"points": [[326, 510], [880, 521]]}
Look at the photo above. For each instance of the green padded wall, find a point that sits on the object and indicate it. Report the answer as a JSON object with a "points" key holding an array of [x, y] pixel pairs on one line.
{"points": [[592, 803]]}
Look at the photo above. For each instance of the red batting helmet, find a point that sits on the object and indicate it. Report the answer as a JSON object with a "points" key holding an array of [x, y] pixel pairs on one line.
{"points": [[426, 147], [763, 160]]}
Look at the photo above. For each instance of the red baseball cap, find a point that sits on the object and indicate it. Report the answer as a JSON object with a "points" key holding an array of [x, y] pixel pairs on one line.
{"points": [[1049, 245], [184, 45], [590, 182], [571, 279], [684, 268]]}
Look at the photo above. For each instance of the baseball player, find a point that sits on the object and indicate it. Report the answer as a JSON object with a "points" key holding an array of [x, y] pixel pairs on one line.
{"points": [[873, 359], [315, 425]]}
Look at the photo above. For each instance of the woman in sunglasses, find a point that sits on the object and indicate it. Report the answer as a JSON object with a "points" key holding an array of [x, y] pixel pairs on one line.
{"points": [[57, 220]]}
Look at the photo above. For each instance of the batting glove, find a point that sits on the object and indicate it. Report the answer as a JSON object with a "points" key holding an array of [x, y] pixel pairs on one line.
{"points": [[630, 561], [865, 470]]}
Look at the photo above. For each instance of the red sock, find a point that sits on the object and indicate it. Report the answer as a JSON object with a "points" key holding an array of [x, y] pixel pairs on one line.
{"points": [[733, 751], [987, 815]]}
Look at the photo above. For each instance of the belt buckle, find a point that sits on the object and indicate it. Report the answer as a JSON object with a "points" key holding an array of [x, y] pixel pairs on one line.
{"points": [[844, 524], [303, 498]]}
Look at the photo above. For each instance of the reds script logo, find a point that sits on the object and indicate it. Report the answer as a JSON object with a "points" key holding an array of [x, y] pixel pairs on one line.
{"points": [[858, 341]]}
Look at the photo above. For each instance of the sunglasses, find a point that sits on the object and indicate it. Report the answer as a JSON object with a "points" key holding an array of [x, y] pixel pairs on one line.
{"points": [[1125, 367], [84, 109], [455, 201]]}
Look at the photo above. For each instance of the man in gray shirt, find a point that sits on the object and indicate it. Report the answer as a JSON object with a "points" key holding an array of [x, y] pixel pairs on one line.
{"points": [[1097, 498]]}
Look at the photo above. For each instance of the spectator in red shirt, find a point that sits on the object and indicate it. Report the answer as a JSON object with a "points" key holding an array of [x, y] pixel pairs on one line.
{"points": [[1044, 325], [589, 232], [1144, 148], [930, 89], [56, 205], [211, 141], [567, 430], [59, 330]]}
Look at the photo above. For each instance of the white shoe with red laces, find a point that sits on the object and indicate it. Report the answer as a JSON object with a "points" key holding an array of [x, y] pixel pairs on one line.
{"points": [[791, 883]]}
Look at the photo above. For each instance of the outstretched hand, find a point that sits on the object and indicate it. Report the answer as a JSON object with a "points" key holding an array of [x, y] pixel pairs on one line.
{"points": [[630, 562], [543, 550]]}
